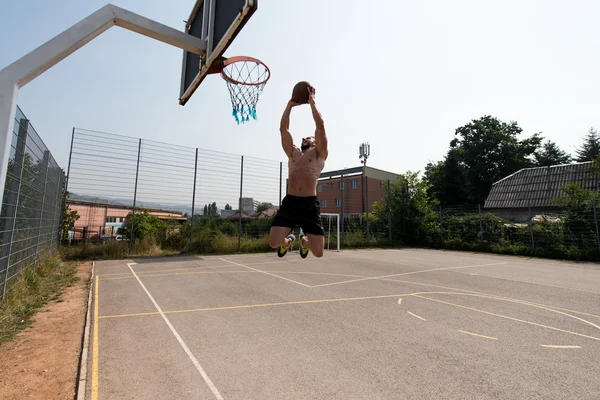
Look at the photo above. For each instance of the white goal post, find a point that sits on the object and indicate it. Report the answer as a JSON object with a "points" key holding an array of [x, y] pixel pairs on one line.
{"points": [[331, 224]]}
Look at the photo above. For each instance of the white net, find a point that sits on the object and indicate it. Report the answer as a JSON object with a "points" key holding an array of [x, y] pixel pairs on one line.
{"points": [[245, 81]]}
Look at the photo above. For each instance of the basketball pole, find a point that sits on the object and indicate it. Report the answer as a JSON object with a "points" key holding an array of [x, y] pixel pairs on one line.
{"points": [[27, 68]]}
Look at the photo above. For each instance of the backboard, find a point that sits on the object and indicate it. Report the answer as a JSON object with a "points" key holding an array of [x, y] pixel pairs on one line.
{"points": [[217, 22]]}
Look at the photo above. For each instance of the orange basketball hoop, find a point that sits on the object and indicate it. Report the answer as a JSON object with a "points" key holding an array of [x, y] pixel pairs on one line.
{"points": [[245, 77]]}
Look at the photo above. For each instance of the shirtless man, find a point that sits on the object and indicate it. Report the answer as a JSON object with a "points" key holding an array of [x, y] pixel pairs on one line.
{"points": [[300, 206]]}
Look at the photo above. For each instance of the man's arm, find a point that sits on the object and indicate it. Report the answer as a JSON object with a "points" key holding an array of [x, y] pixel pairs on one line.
{"points": [[287, 142], [320, 135]]}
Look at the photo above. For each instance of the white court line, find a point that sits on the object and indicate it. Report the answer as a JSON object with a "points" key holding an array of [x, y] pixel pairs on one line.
{"points": [[407, 273], [212, 387], [265, 272]]}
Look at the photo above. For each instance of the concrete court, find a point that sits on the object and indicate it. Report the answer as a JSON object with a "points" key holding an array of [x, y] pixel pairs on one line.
{"points": [[366, 324]]}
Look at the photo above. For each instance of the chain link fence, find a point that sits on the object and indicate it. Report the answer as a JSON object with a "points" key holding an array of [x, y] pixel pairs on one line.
{"points": [[207, 201], [32, 203], [192, 195]]}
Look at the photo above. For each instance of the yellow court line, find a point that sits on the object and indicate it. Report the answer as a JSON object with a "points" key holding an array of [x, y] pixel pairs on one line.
{"points": [[506, 317], [95, 344], [491, 295], [475, 334], [560, 347], [259, 305], [416, 316]]}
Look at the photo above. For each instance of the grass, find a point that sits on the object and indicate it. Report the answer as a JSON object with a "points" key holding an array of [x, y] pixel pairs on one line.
{"points": [[113, 250], [32, 290]]}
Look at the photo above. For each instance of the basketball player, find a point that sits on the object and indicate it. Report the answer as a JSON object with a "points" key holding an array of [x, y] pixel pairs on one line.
{"points": [[300, 206]]}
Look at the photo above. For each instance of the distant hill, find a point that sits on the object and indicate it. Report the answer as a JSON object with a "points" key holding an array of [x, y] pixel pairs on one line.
{"points": [[183, 208]]}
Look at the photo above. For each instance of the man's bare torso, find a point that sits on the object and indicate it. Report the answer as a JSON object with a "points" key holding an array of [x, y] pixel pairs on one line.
{"points": [[304, 171]]}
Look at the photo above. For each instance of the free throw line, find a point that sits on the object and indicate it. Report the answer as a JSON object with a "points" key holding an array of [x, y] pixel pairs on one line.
{"points": [[265, 272], [407, 273], [210, 384], [559, 347]]}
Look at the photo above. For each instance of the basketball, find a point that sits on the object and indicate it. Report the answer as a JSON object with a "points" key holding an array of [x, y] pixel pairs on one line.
{"points": [[300, 92]]}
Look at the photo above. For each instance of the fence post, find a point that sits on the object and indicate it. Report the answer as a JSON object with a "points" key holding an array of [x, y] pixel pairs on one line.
{"points": [[531, 227], [441, 226], [341, 187], [12, 203], [280, 180], [596, 222], [40, 213], [193, 200], [66, 186], [137, 171], [367, 204], [240, 207], [480, 223], [59, 204], [389, 201]]}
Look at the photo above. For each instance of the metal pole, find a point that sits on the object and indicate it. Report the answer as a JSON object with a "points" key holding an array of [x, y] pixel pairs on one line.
{"points": [[193, 200], [596, 221], [240, 207], [480, 223], [280, 181], [13, 201], [367, 202], [441, 225], [40, 213], [531, 227], [389, 200], [137, 170], [338, 233], [69, 165], [342, 204], [9, 93], [64, 203]]}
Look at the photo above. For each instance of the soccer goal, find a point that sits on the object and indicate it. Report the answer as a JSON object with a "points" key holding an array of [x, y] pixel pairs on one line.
{"points": [[331, 224]]}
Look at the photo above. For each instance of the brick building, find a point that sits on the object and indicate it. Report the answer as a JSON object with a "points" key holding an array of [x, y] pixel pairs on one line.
{"points": [[105, 220], [343, 191]]}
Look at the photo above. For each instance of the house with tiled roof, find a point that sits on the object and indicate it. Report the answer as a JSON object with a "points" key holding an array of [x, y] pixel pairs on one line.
{"points": [[529, 190]]}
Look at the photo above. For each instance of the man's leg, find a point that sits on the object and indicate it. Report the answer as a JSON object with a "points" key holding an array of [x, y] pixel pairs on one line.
{"points": [[315, 243], [312, 228], [277, 236]]}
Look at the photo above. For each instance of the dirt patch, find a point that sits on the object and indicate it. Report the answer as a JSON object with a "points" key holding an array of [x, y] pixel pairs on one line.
{"points": [[42, 361]]}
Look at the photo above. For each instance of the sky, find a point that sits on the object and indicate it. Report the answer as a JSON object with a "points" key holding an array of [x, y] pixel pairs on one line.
{"points": [[401, 75]]}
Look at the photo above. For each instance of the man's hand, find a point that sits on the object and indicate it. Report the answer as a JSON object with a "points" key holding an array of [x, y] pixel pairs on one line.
{"points": [[311, 95], [292, 103], [320, 135]]}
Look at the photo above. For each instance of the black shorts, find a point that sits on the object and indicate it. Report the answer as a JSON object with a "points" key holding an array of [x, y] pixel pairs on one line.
{"points": [[300, 211]]}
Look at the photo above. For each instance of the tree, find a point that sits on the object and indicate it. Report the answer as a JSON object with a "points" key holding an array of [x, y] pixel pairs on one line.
{"points": [[551, 154], [590, 148], [145, 225], [414, 219], [448, 180], [210, 210], [484, 151], [263, 206], [228, 207], [69, 216]]}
